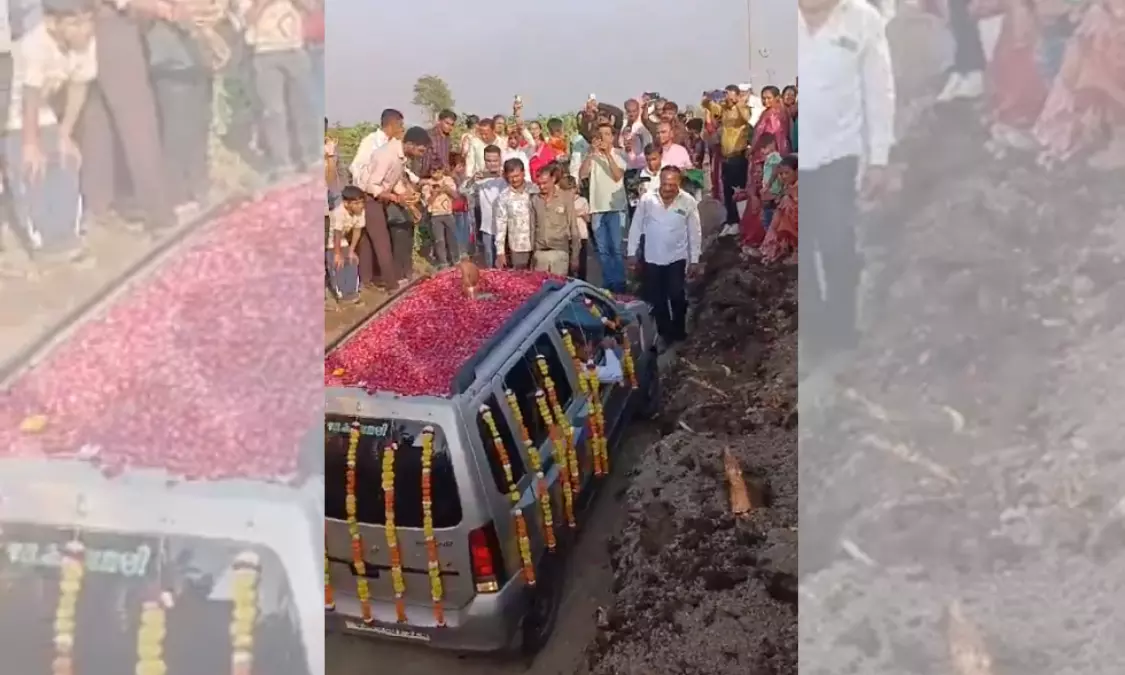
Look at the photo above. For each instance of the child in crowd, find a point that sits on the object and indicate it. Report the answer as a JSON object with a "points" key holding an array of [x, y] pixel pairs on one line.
{"points": [[696, 147], [582, 210], [772, 187], [439, 192], [57, 58], [462, 214], [341, 257]]}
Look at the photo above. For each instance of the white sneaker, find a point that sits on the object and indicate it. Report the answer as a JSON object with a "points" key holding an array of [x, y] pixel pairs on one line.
{"points": [[729, 230], [949, 91], [972, 85]]}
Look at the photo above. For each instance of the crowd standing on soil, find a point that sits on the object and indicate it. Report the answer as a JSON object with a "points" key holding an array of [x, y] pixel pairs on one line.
{"points": [[519, 194], [139, 82]]}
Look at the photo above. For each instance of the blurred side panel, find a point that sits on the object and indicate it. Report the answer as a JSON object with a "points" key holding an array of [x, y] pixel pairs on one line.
{"points": [[161, 336]]}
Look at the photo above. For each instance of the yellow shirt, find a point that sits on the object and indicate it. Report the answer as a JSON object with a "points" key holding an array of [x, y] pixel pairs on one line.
{"points": [[735, 126]]}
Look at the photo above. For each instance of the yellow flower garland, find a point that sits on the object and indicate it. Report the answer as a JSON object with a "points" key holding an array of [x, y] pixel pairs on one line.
{"points": [[627, 359], [561, 420], [586, 384], [513, 495], [362, 588], [433, 563], [150, 636], [599, 446], [66, 610], [244, 616], [397, 580], [559, 446], [542, 491]]}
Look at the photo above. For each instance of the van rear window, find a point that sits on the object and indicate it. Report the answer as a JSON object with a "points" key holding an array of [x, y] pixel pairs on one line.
{"points": [[124, 572], [375, 436]]}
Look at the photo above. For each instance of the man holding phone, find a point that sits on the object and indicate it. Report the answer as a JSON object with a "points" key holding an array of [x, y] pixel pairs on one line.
{"points": [[733, 115], [604, 166]]}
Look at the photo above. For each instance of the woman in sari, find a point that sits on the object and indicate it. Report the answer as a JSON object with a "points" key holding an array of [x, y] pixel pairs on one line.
{"points": [[789, 98], [774, 120], [1015, 84], [1086, 103], [781, 241]]}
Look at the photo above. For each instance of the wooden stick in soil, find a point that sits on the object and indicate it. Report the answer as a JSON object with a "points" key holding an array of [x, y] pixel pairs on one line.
{"points": [[739, 496]]}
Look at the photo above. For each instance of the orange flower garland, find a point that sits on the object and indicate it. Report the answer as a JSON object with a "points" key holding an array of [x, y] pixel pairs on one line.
{"points": [[433, 564], [627, 359], [568, 341], [397, 581], [561, 420], [585, 385], [599, 446], [513, 494], [66, 610], [361, 586], [542, 492], [559, 446], [150, 636], [244, 616]]}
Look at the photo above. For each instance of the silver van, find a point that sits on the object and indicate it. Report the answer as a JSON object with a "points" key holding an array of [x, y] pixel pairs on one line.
{"points": [[487, 600]]}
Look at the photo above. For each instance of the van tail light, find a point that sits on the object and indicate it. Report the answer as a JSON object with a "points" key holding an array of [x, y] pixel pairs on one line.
{"points": [[488, 562]]}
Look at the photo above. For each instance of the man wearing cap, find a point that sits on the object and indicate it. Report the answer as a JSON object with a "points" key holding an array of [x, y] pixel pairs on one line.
{"points": [[735, 119]]}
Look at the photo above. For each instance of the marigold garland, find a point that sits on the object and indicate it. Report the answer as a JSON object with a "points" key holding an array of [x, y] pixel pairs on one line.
{"points": [[433, 563], [559, 450], [244, 615], [363, 590], [585, 386], [599, 444], [542, 491], [66, 610], [561, 420], [329, 596], [568, 341], [397, 581], [627, 354], [513, 494], [150, 635]]}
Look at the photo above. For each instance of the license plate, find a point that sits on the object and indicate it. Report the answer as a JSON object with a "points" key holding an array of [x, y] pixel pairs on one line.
{"points": [[386, 631]]}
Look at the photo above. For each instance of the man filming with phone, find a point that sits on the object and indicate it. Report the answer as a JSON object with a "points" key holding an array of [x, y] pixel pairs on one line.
{"points": [[733, 115], [604, 167]]}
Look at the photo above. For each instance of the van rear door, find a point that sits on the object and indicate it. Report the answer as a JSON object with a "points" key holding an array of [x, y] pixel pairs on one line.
{"points": [[376, 436]]}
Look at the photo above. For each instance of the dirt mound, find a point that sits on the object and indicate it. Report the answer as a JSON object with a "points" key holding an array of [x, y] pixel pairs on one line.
{"points": [[697, 589], [977, 417]]}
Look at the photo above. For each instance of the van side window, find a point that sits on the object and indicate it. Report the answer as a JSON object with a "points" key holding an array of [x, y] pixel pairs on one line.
{"points": [[582, 319], [510, 445], [524, 380]]}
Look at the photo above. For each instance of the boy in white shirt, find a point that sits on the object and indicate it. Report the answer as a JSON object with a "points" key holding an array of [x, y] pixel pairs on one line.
{"points": [[57, 56], [341, 256]]}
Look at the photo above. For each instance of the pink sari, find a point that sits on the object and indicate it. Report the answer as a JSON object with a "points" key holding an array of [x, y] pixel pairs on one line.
{"points": [[775, 120], [1089, 92], [1016, 90]]}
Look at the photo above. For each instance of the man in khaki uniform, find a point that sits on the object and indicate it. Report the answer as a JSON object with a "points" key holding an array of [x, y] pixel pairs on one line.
{"points": [[555, 237]]}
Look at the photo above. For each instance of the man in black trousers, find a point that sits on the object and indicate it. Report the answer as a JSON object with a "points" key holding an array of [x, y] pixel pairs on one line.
{"points": [[668, 222]]}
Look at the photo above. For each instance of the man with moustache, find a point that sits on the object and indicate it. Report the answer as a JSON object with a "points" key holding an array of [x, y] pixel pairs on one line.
{"points": [[847, 122]]}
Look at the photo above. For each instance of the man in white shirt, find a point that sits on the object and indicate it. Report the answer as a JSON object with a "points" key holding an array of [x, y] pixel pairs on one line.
{"points": [[634, 135], [486, 188], [389, 122], [484, 137], [847, 117], [604, 166], [668, 221]]}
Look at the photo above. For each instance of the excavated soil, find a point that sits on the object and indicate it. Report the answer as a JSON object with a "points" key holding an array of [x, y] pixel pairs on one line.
{"points": [[962, 488], [696, 589]]}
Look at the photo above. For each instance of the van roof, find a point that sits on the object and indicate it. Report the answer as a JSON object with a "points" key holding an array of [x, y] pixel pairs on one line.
{"points": [[185, 366], [419, 343]]}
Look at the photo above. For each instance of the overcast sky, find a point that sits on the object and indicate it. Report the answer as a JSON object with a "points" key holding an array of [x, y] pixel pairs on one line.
{"points": [[553, 54]]}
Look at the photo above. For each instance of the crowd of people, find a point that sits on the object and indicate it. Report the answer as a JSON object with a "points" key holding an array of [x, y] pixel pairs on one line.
{"points": [[110, 108], [519, 194]]}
